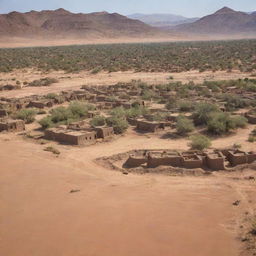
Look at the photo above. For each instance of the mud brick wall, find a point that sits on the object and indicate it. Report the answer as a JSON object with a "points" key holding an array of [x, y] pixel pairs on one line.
{"points": [[251, 157], [193, 163], [133, 161], [215, 163], [104, 132], [175, 161], [235, 159]]}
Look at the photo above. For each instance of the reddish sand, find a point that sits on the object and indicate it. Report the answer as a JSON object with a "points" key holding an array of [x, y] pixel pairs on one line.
{"points": [[113, 214], [75, 81]]}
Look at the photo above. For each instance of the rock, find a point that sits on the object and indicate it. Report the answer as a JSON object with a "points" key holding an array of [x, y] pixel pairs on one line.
{"points": [[237, 202], [74, 191]]}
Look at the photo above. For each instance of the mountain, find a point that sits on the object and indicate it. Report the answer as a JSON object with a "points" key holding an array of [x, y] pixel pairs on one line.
{"points": [[62, 23], [162, 20], [223, 22]]}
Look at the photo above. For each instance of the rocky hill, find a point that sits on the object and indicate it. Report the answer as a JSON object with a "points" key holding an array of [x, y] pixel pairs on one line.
{"points": [[62, 23]]}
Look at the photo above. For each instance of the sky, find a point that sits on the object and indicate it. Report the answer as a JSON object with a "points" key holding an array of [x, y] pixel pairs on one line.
{"points": [[188, 8]]}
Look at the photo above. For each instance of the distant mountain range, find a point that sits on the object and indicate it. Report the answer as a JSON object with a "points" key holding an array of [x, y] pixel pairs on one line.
{"points": [[162, 20], [64, 23], [102, 25], [223, 22]]}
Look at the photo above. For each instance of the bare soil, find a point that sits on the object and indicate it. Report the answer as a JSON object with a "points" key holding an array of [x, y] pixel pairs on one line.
{"points": [[111, 213], [75, 81]]}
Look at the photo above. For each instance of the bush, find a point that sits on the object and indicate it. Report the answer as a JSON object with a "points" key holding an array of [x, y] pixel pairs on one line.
{"points": [[184, 125], [98, 121], [118, 112], [51, 96], [203, 112], [171, 104], [46, 122], [119, 125], [186, 106], [78, 109], [200, 142], [220, 123], [43, 82], [28, 115], [240, 121]]}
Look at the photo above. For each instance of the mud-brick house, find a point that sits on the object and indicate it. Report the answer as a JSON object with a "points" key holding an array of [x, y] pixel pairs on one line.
{"points": [[237, 157], [215, 161], [71, 137], [147, 126], [41, 104], [104, 132], [10, 125]]}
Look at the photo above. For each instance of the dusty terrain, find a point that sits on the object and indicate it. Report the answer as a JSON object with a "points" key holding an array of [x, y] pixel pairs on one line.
{"points": [[75, 81], [112, 213]]}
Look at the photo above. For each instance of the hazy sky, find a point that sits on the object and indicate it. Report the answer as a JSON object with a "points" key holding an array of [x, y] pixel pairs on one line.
{"points": [[189, 8]]}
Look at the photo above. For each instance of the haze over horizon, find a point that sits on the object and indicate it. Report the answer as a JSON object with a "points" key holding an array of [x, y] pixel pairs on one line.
{"points": [[188, 8]]}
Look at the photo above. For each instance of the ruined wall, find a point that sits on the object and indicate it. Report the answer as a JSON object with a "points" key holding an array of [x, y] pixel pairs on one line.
{"points": [[104, 132], [154, 161], [215, 163], [134, 161]]}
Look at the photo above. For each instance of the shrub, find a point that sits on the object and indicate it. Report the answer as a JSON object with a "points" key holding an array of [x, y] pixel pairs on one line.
{"points": [[119, 124], [184, 125], [28, 115], [240, 121], [220, 123], [171, 104], [78, 109], [200, 142], [98, 121], [51, 96], [46, 122], [118, 112], [203, 112], [43, 82], [96, 70], [186, 106]]}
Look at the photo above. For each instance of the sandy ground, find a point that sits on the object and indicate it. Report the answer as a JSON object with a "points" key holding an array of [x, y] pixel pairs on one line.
{"points": [[14, 42], [75, 81], [114, 214]]}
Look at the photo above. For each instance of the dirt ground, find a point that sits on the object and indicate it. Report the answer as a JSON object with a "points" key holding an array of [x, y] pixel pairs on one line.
{"points": [[75, 81], [114, 214]]}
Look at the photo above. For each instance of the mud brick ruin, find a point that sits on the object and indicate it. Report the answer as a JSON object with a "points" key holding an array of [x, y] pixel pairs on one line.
{"points": [[71, 137], [41, 104], [79, 133], [147, 126], [12, 125], [216, 160]]}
